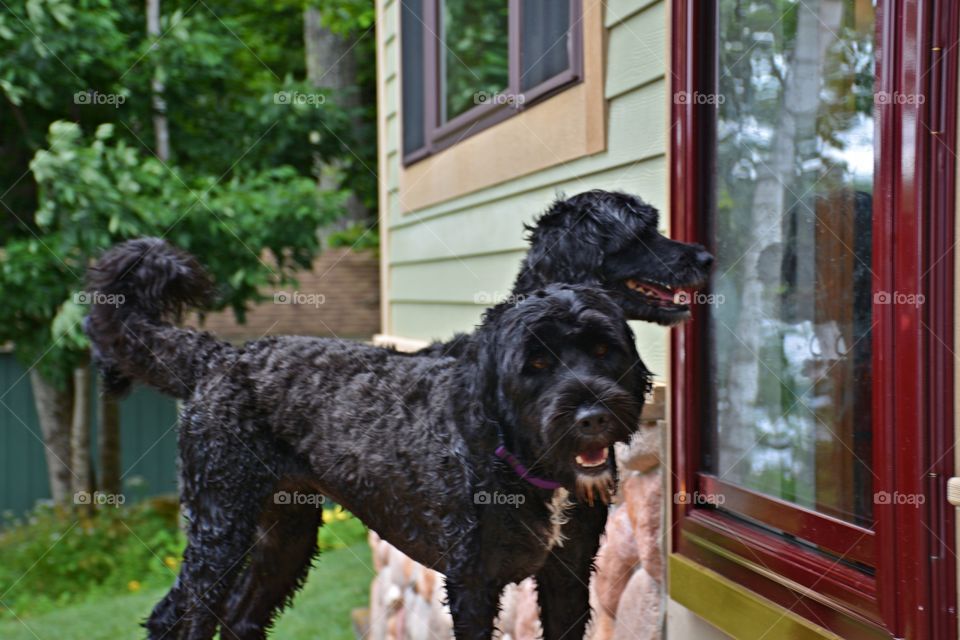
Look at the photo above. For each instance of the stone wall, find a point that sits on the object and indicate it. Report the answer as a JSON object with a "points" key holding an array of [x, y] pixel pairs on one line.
{"points": [[627, 590]]}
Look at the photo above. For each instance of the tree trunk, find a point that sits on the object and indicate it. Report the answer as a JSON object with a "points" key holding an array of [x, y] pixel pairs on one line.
{"points": [[109, 432], [160, 128], [80, 432], [330, 63], [329, 57], [53, 410], [796, 125]]}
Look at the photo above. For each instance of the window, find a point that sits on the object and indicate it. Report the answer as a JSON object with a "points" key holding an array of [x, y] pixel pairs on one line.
{"points": [[794, 157], [810, 460], [468, 65]]}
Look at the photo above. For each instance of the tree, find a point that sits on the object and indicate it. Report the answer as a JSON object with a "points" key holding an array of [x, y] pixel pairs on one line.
{"points": [[84, 163]]}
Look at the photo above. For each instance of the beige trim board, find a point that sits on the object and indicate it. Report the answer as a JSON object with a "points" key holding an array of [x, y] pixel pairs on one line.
{"points": [[383, 200], [399, 342], [567, 126]]}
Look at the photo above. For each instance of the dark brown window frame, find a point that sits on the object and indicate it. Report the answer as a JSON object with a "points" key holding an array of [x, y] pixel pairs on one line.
{"points": [[439, 136]]}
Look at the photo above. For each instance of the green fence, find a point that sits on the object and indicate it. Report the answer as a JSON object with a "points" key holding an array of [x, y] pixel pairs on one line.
{"points": [[148, 442]]}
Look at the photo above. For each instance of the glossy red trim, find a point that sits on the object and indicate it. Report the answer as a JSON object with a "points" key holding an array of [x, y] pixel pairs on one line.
{"points": [[883, 330], [846, 540], [691, 23], [913, 591], [822, 589], [943, 166]]}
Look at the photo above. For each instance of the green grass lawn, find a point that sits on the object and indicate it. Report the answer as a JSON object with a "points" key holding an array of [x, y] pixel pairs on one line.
{"points": [[338, 583]]}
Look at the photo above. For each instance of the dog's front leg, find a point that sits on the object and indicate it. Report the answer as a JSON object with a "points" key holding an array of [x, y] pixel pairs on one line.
{"points": [[474, 604], [563, 583]]}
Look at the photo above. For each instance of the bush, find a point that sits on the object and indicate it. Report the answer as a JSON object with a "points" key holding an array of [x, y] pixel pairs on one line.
{"points": [[54, 557], [356, 237]]}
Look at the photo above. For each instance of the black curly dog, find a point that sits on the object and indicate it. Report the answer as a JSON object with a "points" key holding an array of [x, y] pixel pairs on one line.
{"points": [[609, 239], [602, 238], [419, 448]]}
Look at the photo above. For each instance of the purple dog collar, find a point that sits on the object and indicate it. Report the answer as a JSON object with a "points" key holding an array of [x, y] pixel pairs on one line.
{"points": [[502, 453]]}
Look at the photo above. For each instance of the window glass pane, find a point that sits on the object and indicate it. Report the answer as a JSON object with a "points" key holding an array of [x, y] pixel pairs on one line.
{"points": [[790, 330], [411, 35], [544, 37], [475, 53]]}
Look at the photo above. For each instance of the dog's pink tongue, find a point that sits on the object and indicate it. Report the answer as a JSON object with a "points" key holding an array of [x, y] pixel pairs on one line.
{"points": [[664, 294]]}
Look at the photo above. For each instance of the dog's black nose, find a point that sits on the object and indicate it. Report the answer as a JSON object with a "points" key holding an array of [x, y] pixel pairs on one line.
{"points": [[593, 419], [704, 258]]}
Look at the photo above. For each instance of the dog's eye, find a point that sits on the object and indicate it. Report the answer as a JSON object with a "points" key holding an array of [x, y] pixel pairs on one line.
{"points": [[600, 349], [538, 362]]}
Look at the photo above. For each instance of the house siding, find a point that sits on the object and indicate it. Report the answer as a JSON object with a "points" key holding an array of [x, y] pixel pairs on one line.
{"points": [[445, 263]]}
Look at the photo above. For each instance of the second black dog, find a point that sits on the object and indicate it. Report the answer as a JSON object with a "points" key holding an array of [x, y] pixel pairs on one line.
{"points": [[610, 240]]}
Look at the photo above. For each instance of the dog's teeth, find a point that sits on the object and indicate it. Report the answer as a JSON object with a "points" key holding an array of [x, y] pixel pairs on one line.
{"points": [[588, 465], [584, 463]]}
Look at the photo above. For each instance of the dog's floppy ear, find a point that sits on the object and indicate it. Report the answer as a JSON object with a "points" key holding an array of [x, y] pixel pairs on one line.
{"points": [[485, 384], [566, 245]]}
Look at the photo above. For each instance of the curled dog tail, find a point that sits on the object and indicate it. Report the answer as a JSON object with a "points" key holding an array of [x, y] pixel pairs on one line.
{"points": [[135, 289]]}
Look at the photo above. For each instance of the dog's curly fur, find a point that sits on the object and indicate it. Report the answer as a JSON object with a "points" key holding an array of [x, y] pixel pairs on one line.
{"points": [[406, 443], [599, 238], [611, 240]]}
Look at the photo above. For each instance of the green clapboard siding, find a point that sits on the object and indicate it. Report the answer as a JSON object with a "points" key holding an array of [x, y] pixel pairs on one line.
{"points": [[148, 437], [448, 260]]}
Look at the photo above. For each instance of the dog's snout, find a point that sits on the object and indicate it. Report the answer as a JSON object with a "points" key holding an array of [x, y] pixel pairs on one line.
{"points": [[703, 258], [593, 419]]}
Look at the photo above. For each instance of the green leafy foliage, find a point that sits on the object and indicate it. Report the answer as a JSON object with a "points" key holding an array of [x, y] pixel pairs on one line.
{"points": [[53, 557], [222, 65], [250, 230], [239, 190], [56, 557], [356, 237]]}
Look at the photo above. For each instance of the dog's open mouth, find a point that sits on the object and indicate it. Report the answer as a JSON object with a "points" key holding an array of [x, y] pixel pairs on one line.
{"points": [[659, 294], [592, 460], [594, 474]]}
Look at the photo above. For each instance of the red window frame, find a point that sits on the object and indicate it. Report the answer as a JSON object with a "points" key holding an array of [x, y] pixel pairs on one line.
{"points": [[909, 589]]}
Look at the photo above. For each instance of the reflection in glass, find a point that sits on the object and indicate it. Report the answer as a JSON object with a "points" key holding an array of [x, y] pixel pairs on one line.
{"points": [[790, 335], [545, 37], [475, 54]]}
